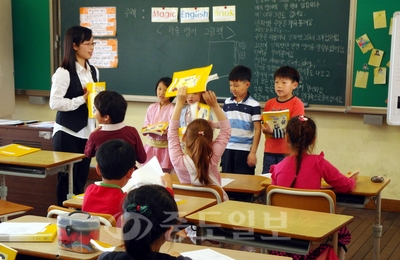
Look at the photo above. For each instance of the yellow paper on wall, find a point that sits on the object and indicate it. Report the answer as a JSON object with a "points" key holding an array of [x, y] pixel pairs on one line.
{"points": [[361, 79], [376, 58], [380, 75], [94, 88]]}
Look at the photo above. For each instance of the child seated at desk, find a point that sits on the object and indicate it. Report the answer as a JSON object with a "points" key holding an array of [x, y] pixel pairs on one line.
{"points": [[115, 163], [147, 224], [304, 170]]}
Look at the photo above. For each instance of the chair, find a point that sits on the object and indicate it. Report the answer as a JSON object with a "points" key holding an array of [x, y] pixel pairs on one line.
{"points": [[105, 219], [210, 191], [306, 199]]}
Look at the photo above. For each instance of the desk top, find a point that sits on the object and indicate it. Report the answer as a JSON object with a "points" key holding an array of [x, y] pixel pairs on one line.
{"points": [[7, 207], [364, 186], [266, 219], [110, 235], [186, 204], [244, 183], [42, 159], [170, 247]]}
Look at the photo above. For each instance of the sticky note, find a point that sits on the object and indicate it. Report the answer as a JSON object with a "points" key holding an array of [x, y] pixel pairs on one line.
{"points": [[364, 43], [380, 75], [379, 19], [361, 79], [376, 58]]}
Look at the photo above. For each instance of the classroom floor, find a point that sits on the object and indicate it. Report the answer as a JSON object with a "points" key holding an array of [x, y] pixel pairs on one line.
{"points": [[360, 228]]}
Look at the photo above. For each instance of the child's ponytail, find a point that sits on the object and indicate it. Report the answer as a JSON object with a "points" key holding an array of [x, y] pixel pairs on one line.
{"points": [[199, 136]]}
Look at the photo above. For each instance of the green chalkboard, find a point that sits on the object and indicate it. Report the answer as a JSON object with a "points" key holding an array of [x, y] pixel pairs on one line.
{"points": [[311, 36], [374, 95], [31, 43]]}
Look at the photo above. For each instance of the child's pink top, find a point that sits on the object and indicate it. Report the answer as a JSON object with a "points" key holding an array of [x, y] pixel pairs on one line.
{"points": [[182, 162], [313, 168]]}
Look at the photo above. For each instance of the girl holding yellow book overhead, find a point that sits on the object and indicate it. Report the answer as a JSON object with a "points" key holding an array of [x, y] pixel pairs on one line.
{"points": [[156, 119], [69, 95]]}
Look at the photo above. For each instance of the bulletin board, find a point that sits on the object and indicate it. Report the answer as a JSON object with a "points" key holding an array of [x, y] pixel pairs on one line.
{"points": [[369, 92]]}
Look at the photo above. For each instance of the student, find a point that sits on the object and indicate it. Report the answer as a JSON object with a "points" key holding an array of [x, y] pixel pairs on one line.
{"points": [[110, 114], [304, 170], [199, 165], [157, 113], [68, 95], [187, 114], [148, 220], [115, 164], [286, 80], [244, 114]]}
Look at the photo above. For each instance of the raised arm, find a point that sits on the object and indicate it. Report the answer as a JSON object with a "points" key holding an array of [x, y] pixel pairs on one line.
{"points": [[211, 100], [180, 102]]}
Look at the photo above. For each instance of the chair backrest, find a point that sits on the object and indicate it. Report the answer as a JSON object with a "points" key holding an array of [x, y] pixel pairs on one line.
{"points": [[105, 219], [210, 191], [308, 199]]}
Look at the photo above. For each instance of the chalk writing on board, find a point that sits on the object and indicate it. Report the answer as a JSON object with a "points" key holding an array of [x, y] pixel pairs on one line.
{"points": [[285, 34], [130, 12]]}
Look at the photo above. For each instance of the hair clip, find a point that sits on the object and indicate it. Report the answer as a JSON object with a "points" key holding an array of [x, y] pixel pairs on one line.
{"points": [[302, 118], [144, 210], [201, 133]]}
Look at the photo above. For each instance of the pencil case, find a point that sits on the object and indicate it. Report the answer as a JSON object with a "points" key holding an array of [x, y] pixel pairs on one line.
{"points": [[75, 231]]}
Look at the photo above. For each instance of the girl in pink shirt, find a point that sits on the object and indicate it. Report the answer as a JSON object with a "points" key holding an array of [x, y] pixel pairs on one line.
{"points": [[199, 165], [159, 112], [304, 170]]}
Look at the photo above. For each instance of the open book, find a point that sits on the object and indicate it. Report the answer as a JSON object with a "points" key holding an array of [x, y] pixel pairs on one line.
{"points": [[278, 121], [150, 173], [94, 88], [158, 129], [195, 79]]}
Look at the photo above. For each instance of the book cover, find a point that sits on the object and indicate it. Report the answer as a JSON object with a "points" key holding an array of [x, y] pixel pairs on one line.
{"points": [[195, 79], [47, 235], [17, 150], [158, 129], [203, 111], [7, 253], [277, 120], [94, 88]]}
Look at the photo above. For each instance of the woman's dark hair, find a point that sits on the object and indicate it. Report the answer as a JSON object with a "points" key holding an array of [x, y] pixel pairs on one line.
{"points": [[199, 137], [301, 132], [74, 35], [149, 211], [166, 81], [111, 103]]}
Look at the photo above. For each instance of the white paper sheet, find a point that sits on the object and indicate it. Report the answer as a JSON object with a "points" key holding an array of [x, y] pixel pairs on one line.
{"points": [[206, 254], [22, 228], [226, 181]]}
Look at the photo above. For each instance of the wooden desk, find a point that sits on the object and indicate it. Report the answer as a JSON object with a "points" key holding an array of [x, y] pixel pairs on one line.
{"points": [[301, 226], [364, 191], [186, 204], [110, 235], [39, 164], [169, 247], [8, 209]]}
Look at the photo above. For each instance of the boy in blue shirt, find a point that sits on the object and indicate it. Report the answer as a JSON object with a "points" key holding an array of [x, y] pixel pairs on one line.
{"points": [[244, 114]]}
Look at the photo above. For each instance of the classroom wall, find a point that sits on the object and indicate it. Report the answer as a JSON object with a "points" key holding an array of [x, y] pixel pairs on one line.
{"points": [[346, 141]]}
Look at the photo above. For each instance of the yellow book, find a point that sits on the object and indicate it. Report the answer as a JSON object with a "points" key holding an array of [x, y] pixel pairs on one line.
{"points": [[7, 253], [277, 120], [158, 129], [94, 88], [195, 80], [47, 235], [203, 111], [17, 150]]}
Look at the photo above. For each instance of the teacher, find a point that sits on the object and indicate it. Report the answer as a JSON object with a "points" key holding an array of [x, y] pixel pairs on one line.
{"points": [[69, 95]]}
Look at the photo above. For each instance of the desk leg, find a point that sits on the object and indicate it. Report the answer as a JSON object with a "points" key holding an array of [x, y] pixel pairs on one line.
{"points": [[377, 228], [3, 187], [70, 181]]}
